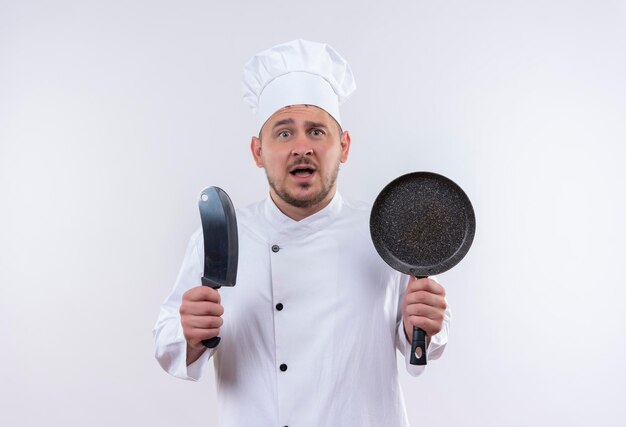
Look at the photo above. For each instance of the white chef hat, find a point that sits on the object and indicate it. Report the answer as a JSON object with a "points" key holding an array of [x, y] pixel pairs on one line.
{"points": [[295, 73]]}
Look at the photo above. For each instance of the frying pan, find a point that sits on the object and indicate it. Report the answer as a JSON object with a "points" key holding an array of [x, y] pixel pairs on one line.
{"points": [[422, 224]]}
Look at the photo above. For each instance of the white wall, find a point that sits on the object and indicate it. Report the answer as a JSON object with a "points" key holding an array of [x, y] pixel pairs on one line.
{"points": [[113, 115]]}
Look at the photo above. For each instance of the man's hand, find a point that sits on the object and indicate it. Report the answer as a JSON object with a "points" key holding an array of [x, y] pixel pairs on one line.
{"points": [[423, 306], [200, 314]]}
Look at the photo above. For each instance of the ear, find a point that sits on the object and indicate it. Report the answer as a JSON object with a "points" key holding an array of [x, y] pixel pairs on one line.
{"points": [[345, 146], [255, 148]]}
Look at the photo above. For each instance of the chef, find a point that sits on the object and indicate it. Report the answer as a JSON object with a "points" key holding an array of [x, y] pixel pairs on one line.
{"points": [[311, 332]]}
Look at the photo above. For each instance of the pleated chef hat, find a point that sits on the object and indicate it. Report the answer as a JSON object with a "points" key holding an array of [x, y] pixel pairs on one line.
{"points": [[295, 73]]}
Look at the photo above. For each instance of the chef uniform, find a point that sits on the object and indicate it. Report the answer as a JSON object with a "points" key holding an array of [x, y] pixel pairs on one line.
{"points": [[312, 327]]}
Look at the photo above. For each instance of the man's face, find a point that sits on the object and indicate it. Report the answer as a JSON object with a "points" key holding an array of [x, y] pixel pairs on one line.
{"points": [[300, 148]]}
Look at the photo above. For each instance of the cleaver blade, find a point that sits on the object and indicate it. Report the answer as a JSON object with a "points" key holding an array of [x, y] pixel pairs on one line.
{"points": [[221, 252]]}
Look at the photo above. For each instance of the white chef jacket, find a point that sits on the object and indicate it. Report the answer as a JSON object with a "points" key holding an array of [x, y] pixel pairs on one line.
{"points": [[326, 356]]}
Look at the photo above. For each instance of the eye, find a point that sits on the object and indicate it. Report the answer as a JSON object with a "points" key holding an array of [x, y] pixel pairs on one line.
{"points": [[284, 134], [317, 132]]}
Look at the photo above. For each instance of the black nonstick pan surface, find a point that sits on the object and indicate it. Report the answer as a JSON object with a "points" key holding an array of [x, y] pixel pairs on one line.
{"points": [[422, 224]]}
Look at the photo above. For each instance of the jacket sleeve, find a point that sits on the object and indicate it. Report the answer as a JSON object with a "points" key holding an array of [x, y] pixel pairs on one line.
{"points": [[437, 342], [170, 343]]}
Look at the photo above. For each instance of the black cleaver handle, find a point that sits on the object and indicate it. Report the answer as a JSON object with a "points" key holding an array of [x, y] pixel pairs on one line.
{"points": [[418, 345], [211, 342]]}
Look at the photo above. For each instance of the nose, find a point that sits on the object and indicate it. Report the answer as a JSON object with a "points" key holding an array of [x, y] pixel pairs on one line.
{"points": [[302, 147]]}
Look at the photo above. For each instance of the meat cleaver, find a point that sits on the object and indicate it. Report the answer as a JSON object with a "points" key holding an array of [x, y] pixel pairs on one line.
{"points": [[221, 253]]}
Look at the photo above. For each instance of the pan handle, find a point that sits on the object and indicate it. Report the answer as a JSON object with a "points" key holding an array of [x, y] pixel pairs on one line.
{"points": [[418, 344], [418, 347]]}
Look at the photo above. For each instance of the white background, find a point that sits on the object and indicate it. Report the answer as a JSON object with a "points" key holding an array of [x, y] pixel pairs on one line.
{"points": [[114, 115]]}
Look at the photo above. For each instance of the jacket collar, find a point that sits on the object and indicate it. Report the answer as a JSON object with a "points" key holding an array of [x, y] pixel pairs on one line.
{"points": [[281, 222]]}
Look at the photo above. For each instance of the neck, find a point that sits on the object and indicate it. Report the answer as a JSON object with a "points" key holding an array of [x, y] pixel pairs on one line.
{"points": [[297, 213]]}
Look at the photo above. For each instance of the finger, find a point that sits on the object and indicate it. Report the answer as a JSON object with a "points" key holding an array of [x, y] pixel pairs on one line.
{"points": [[202, 293], [202, 322], [431, 327], [425, 297], [201, 308], [196, 336], [426, 311], [426, 284]]}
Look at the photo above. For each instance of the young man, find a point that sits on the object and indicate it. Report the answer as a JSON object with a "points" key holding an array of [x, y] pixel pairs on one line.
{"points": [[310, 332]]}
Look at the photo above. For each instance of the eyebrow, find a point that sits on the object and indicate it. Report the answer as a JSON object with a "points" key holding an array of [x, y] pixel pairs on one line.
{"points": [[315, 125], [283, 122], [308, 124]]}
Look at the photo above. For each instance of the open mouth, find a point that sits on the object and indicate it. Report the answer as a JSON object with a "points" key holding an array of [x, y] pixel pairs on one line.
{"points": [[302, 171]]}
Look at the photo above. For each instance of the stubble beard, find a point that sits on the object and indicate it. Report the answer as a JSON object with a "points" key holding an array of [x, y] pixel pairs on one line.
{"points": [[310, 201]]}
